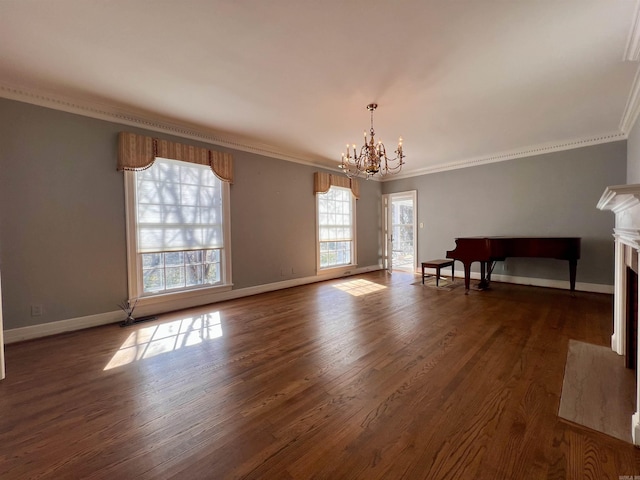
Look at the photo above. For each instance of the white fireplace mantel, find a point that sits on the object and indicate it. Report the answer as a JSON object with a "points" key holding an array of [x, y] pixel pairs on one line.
{"points": [[624, 202], [619, 197]]}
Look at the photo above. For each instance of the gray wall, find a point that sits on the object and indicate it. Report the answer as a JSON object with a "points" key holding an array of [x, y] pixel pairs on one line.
{"points": [[62, 228], [633, 154], [273, 221], [62, 216], [546, 195], [62, 225]]}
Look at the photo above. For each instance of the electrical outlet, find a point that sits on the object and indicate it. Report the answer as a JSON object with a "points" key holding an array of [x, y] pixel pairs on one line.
{"points": [[36, 310]]}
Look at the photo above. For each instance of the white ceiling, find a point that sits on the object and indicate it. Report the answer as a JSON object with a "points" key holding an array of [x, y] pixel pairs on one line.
{"points": [[464, 82]]}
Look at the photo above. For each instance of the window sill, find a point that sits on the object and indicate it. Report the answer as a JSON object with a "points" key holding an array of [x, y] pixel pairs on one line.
{"points": [[333, 271], [165, 302]]}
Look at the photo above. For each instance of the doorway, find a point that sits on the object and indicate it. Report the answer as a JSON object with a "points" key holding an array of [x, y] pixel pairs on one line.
{"points": [[400, 235]]}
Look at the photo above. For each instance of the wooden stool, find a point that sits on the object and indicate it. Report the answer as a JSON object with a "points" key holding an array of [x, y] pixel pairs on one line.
{"points": [[437, 264]]}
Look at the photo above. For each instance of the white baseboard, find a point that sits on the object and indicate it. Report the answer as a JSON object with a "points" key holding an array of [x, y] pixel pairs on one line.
{"points": [[544, 282], [616, 345], [536, 282], [635, 428], [72, 324], [61, 326]]}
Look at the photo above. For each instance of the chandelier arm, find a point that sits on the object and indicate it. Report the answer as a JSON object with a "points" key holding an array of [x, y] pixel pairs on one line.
{"points": [[373, 157]]}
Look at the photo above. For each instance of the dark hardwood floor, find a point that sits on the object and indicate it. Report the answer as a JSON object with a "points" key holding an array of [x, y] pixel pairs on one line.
{"points": [[366, 377]]}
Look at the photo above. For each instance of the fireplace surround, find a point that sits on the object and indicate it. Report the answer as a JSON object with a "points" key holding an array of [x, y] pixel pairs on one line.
{"points": [[624, 202]]}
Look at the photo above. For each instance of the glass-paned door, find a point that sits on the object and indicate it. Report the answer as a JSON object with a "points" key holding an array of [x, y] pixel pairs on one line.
{"points": [[400, 231]]}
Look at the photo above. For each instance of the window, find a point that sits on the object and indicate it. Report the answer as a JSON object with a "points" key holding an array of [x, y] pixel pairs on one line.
{"points": [[177, 228], [336, 227], [170, 270]]}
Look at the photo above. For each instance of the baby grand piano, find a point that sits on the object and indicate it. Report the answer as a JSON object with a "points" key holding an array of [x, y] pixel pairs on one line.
{"points": [[488, 250]]}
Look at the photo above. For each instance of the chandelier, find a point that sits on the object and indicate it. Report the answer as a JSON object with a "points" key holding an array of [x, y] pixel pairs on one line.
{"points": [[373, 157]]}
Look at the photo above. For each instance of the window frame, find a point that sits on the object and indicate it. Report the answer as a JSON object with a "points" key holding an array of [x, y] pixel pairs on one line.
{"points": [[337, 269], [134, 259]]}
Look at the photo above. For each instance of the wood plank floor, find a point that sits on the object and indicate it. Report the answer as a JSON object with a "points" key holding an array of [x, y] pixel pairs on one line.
{"points": [[367, 377]]}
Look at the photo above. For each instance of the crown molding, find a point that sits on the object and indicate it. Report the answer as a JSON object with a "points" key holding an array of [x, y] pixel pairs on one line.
{"points": [[121, 116], [520, 153], [136, 119], [632, 49]]}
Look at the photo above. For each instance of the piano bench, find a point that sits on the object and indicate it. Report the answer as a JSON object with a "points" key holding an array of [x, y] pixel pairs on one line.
{"points": [[437, 264]]}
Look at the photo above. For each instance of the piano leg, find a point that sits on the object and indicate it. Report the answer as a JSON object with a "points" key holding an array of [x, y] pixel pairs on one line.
{"points": [[484, 282], [467, 277], [572, 274]]}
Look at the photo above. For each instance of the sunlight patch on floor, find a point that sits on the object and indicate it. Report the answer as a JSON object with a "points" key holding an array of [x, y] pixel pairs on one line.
{"points": [[149, 341], [360, 287]]}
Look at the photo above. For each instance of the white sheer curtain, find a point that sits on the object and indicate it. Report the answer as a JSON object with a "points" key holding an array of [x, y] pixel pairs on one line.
{"points": [[179, 207]]}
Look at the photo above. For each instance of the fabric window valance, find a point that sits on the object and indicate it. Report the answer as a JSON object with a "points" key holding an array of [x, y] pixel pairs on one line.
{"points": [[138, 152], [322, 182]]}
